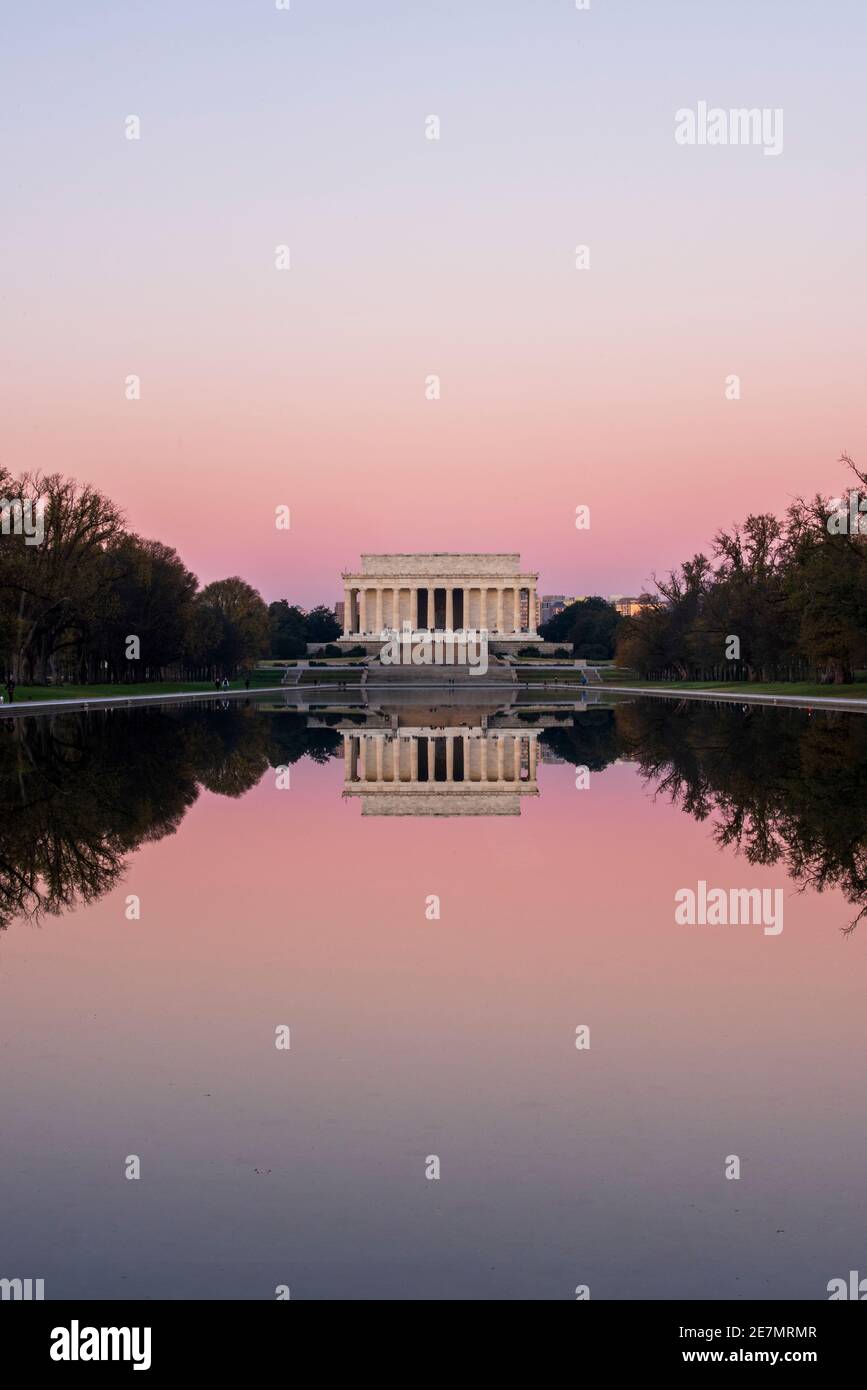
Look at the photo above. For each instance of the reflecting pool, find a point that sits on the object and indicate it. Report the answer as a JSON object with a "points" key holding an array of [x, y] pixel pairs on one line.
{"points": [[288, 954]]}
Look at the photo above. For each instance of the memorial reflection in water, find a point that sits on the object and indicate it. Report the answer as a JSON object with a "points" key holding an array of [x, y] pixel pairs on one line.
{"points": [[448, 759], [445, 771]]}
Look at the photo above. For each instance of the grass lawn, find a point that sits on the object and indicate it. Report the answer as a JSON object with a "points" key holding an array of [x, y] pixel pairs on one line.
{"points": [[94, 692], [261, 680], [857, 690], [808, 689]]}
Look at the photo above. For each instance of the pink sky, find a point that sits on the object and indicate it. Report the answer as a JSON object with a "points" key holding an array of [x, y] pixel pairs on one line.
{"points": [[560, 387]]}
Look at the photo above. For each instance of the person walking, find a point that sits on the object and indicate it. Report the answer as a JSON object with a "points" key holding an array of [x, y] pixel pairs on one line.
{"points": [[10, 689]]}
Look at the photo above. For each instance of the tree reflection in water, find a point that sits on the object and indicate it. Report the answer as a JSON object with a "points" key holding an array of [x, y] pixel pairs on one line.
{"points": [[81, 791], [782, 786]]}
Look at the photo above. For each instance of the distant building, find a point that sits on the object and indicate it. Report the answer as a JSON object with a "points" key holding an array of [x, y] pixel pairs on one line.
{"points": [[338, 611], [628, 607], [552, 604]]}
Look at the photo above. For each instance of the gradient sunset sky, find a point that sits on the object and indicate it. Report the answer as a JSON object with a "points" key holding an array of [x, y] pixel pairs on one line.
{"points": [[409, 257]]}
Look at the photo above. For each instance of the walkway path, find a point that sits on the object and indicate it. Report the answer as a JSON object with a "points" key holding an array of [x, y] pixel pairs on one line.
{"points": [[742, 697], [165, 698]]}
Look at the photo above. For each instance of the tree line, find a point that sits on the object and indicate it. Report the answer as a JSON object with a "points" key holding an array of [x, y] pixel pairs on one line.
{"points": [[88, 600], [776, 600]]}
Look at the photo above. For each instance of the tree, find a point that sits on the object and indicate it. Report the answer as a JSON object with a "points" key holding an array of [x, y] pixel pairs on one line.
{"points": [[152, 595], [827, 594], [244, 626], [747, 598], [322, 626], [287, 629], [73, 597], [54, 591], [590, 625], [793, 594], [826, 585]]}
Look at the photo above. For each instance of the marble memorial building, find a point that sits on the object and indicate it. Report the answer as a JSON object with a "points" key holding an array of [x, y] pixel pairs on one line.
{"points": [[438, 593]]}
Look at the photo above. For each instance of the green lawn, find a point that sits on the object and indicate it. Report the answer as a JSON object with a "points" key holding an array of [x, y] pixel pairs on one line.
{"points": [[94, 692], [857, 690], [807, 689], [323, 675], [261, 679]]}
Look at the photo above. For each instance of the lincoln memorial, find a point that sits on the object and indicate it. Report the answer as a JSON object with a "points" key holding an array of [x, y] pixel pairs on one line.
{"points": [[440, 592]]}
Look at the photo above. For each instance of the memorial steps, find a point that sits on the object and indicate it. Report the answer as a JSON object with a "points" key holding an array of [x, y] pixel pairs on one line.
{"points": [[442, 675]]}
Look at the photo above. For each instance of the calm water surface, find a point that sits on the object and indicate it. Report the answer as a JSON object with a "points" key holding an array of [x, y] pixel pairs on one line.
{"points": [[308, 905]]}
